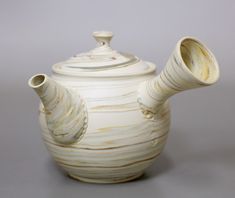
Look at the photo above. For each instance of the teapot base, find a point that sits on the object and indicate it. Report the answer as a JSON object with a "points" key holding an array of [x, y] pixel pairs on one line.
{"points": [[106, 181]]}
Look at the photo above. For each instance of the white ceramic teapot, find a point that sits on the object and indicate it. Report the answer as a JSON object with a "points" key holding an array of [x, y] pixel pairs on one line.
{"points": [[105, 115]]}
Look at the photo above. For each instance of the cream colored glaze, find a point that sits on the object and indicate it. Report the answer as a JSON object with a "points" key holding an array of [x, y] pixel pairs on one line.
{"points": [[66, 114], [121, 115], [191, 65]]}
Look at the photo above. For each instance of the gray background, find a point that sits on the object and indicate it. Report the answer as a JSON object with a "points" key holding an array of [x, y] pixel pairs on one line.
{"points": [[199, 158]]}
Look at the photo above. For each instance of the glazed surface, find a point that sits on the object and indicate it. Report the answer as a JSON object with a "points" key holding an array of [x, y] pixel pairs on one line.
{"points": [[120, 142], [105, 115]]}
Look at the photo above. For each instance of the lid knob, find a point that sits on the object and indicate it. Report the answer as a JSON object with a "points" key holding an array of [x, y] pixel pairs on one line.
{"points": [[103, 37]]}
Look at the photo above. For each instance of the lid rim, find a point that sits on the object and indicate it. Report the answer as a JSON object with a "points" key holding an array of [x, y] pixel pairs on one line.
{"points": [[105, 73], [99, 67]]}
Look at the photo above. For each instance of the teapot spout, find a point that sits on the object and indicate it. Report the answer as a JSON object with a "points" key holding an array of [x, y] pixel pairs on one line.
{"points": [[191, 65], [65, 113]]}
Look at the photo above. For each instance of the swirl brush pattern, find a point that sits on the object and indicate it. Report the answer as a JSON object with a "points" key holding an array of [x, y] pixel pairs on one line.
{"points": [[105, 115]]}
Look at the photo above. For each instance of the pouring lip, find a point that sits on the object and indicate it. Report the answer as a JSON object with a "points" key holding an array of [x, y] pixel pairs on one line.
{"points": [[216, 72], [37, 80]]}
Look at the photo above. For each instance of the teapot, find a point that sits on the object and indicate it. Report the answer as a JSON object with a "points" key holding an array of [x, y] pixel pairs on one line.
{"points": [[105, 115]]}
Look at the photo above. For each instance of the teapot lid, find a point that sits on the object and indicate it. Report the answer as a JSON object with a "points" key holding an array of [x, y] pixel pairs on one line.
{"points": [[101, 58]]}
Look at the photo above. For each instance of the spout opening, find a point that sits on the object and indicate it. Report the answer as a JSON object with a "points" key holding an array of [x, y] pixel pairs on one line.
{"points": [[199, 60], [37, 80]]}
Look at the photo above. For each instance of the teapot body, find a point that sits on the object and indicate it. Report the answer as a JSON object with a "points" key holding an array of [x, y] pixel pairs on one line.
{"points": [[105, 114], [120, 142]]}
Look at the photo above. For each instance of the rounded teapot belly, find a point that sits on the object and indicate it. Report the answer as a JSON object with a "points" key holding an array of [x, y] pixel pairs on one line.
{"points": [[119, 143]]}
